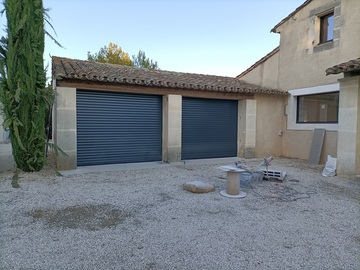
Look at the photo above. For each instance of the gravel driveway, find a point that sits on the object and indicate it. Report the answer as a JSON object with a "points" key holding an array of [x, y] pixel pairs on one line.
{"points": [[143, 219]]}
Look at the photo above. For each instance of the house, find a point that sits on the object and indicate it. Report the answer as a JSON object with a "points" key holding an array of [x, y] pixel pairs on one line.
{"points": [[318, 35], [106, 114]]}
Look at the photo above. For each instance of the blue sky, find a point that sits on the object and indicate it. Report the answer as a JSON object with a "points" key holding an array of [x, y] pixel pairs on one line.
{"points": [[218, 37]]}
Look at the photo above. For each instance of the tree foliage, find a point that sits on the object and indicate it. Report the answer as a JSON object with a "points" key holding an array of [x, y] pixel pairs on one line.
{"points": [[22, 82], [113, 54], [140, 60]]}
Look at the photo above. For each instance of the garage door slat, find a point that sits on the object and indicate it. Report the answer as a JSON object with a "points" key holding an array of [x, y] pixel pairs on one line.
{"points": [[209, 128], [118, 128]]}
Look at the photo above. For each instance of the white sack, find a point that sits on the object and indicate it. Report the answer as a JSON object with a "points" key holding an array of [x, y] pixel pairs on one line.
{"points": [[330, 167]]}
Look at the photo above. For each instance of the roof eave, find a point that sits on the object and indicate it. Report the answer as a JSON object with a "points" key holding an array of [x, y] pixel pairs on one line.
{"points": [[65, 69], [274, 29]]}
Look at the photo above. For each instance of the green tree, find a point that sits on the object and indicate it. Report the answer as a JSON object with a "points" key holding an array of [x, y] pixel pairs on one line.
{"points": [[113, 54], [22, 82], [140, 60]]}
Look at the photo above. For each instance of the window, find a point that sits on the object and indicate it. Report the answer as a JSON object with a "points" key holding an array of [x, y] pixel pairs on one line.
{"points": [[327, 27], [318, 108], [301, 116]]}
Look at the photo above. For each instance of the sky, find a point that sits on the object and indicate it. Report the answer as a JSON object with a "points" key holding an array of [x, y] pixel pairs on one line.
{"points": [[216, 37]]}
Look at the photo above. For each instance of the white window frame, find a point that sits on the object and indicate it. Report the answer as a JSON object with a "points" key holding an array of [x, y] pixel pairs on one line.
{"points": [[291, 108]]}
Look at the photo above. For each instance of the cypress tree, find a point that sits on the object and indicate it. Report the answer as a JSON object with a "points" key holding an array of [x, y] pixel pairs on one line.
{"points": [[22, 85]]}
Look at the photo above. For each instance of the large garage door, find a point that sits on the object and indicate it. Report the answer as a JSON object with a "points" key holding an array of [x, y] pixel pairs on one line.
{"points": [[209, 128], [118, 128]]}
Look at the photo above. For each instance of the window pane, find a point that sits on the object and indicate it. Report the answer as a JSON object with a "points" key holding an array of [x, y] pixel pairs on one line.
{"points": [[327, 28], [330, 28], [321, 108]]}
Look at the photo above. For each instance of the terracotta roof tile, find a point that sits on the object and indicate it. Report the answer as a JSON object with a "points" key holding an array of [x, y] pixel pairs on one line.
{"points": [[349, 68], [65, 68]]}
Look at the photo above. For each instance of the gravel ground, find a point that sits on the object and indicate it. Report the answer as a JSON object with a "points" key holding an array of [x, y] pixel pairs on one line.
{"points": [[143, 219]]}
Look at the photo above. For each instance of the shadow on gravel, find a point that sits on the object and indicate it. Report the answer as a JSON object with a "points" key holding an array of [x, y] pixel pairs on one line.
{"points": [[86, 217]]}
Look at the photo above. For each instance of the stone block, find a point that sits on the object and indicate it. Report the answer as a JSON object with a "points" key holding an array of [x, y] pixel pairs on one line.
{"points": [[66, 119], [174, 154], [66, 140], [348, 99], [251, 107], [250, 138], [174, 120], [175, 103], [174, 137], [65, 97], [68, 162], [198, 187], [249, 152], [347, 142], [348, 116], [346, 164], [251, 122]]}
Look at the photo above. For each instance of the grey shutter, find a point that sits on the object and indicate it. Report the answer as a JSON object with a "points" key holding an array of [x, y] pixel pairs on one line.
{"points": [[118, 128], [209, 128]]}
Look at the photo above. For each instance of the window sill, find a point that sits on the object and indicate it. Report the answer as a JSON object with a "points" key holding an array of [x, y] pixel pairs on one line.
{"points": [[328, 127], [324, 46]]}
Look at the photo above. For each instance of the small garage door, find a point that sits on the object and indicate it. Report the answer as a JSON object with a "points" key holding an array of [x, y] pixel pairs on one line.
{"points": [[209, 128], [118, 128]]}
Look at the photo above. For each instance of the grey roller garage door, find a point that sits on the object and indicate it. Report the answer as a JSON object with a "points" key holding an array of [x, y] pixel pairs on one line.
{"points": [[118, 128], [209, 128]]}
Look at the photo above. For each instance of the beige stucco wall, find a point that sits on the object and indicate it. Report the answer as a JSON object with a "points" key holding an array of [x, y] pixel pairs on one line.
{"points": [[269, 125], [266, 74], [302, 60], [301, 63], [64, 125], [297, 144]]}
